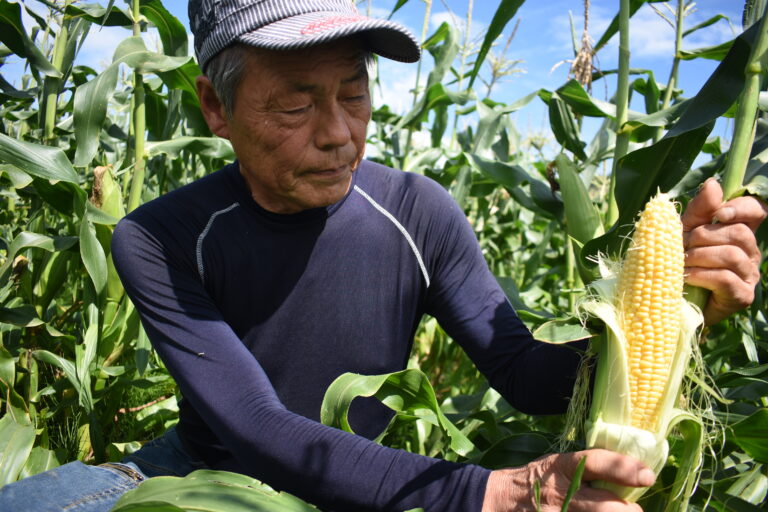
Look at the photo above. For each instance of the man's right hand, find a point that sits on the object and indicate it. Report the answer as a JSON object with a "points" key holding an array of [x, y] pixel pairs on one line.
{"points": [[512, 489]]}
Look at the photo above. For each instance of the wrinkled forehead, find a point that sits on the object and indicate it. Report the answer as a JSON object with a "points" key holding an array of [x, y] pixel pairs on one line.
{"points": [[342, 59]]}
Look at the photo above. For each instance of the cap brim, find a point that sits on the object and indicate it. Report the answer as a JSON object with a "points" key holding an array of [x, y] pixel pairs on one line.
{"points": [[383, 37]]}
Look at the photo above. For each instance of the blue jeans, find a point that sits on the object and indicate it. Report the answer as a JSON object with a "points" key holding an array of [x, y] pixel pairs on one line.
{"points": [[77, 487]]}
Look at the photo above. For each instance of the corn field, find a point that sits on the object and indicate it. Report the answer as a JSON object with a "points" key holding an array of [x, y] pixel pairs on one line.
{"points": [[80, 147]]}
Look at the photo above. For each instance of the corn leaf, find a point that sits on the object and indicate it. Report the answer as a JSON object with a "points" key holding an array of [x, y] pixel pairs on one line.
{"points": [[561, 330], [405, 392], [15, 446], [22, 316], [208, 491], [171, 31], [40, 459], [504, 13], [37, 160], [717, 52], [15, 37], [107, 17], [750, 435], [90, 110], [564, 126], [213, 147], [515, 450], [582, 219], [575, 483]]}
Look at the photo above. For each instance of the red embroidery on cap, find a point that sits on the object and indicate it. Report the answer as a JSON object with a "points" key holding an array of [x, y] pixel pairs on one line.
{"points": [[329, 23]]}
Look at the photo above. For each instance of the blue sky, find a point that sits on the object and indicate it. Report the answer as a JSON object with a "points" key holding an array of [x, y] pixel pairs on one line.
{"points": [[542, 44]]}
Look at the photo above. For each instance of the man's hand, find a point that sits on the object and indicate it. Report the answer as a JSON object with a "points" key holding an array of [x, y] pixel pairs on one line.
{"points": [[723, 257], [512, 489]]}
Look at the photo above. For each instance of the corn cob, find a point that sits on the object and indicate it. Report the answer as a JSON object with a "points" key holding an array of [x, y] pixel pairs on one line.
{"points": [[650, 297], [644, 352]]}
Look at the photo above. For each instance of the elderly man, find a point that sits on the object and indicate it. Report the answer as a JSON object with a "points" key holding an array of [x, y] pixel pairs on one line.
{"points": [[263, 282]]}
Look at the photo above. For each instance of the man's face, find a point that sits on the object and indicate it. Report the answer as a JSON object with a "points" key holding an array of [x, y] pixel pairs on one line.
{"points": [[299, 122]]}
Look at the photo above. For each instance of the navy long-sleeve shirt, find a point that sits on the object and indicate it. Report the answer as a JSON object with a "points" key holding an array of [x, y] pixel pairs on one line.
{"points": [[256, 313]]}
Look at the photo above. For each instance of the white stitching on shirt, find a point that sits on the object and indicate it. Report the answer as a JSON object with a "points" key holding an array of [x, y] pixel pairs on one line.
{"points": [[402, 230], [199, 247]]}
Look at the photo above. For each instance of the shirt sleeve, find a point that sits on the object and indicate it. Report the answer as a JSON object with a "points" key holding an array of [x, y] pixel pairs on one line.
{"points": [[227, 386], [465, 298]]}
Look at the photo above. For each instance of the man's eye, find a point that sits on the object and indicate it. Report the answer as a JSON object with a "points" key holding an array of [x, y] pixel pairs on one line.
{"points": [[300, 110]]}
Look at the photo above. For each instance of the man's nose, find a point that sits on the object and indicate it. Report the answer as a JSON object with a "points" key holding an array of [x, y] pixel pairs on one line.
{"points": [[332, 128]]}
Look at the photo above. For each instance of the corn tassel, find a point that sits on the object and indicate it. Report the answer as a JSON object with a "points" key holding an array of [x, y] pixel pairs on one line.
{"points": [[644, 352]]}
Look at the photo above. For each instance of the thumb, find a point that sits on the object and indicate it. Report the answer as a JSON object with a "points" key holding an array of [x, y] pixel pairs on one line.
{"points": [[701, 210]]}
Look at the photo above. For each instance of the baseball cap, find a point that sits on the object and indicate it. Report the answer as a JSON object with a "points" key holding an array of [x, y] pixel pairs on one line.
{"points": [[293, 24]]}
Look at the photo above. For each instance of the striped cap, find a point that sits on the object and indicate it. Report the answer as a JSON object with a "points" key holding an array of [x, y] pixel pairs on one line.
{"points": [[292, 24]]}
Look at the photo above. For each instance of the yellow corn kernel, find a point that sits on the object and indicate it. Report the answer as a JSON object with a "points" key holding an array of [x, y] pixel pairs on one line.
{"points": [[650, 299]]}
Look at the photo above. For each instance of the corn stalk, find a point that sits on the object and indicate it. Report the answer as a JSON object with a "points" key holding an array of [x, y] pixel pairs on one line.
{"points": [[672, 81], [53, 84], [139, 122], [743, 134], [622, 108]]}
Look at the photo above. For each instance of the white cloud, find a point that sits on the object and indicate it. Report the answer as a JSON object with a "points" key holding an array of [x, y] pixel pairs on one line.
{"points": [[397, 82]]}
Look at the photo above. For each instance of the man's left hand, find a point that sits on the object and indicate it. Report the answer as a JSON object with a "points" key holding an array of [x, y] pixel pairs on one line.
{"points": [[723, 257]]}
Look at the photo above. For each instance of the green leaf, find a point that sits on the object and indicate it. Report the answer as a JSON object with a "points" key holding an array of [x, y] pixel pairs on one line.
{"points": [[171, 31], [19, 179], [133, 52], [40, 459], [208, 491], [15, 446], [750, 435], [405, 392], [183, 78], [717, 52], [37, 160], [66, 366], [28, 240], [704, 24], [581, 102], [213, 147], [509, 175], [575, 483], [564, 126], [92, 98], [90, 110], [22, 316], [562, 330], [107, 17], [7, 367], [93, 256], [582, 219], [399, 4], [15, 37], [504, 12], [515, 450]]}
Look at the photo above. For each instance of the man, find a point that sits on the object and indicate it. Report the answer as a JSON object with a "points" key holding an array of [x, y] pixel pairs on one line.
{"points": [[262, 282]]}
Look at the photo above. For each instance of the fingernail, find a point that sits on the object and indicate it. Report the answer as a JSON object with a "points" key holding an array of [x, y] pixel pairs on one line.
{"points": [[724, 214], [646, 477]]}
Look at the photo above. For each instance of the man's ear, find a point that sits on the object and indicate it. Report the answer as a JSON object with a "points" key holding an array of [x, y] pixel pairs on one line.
{"points": [[212, 108]]}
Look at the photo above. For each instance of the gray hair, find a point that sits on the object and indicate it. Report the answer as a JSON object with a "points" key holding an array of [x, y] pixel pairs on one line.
{"points": [[225, 71]]}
